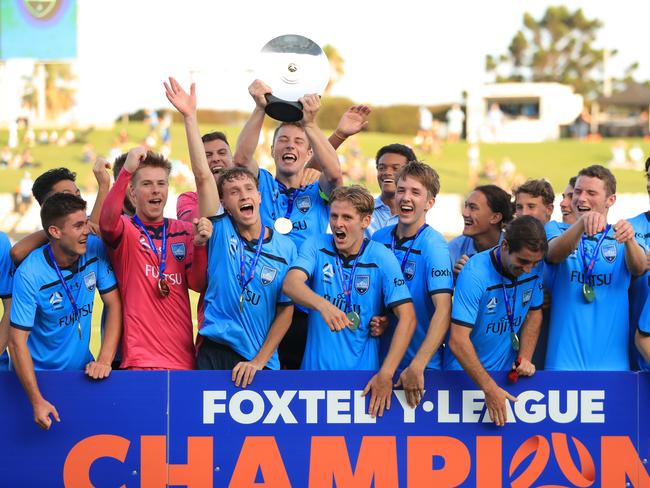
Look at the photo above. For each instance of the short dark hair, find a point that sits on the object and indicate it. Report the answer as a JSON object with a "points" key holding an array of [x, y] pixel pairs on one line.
{"points": [[117, 167], [423, 173], [537, 188], [42, 187], [215, 136], [153, 160], [526, 231], [402, 149], [357, 195], [572, 181], [498, 200], [230, 174], [57, 207], [603, 174]]}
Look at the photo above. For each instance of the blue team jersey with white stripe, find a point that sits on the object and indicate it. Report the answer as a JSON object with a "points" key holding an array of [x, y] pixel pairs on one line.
{"points": [[587, 336], [310, 213], [41, 306], [377, 287], [640, 289], [427, 272], [244, 331], [6, 284], [479, 304]]}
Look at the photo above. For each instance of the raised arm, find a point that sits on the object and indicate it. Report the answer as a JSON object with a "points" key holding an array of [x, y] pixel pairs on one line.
{"points": [[635, 257], [112, 332], [331, 176], [560, 247], [495, 397], [243, 372], [250, 133], [27, 244], [100, 170], [205, 185]]}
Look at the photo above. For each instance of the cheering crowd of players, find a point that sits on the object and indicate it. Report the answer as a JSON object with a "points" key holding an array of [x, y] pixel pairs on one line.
{"points": [[277, 290]]}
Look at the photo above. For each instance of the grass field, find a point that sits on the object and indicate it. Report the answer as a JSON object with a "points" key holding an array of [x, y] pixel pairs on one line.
{"points": [[557, 161]]}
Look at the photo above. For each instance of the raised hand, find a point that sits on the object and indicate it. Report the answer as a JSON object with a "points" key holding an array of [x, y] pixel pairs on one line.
{"points": [[184, 102], [134, 157], [100, 170], [310, 107], [353, 121], [258, 90], [202, 231], [623, 231], [593, 223]]}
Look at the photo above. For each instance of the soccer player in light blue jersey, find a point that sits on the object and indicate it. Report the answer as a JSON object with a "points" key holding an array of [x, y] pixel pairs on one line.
{"points": [[592, 267], [497, 299], [345, 280], [6, 285], [246, 314], [486, 210], [424, 259], [640, 289], [52, 303]]}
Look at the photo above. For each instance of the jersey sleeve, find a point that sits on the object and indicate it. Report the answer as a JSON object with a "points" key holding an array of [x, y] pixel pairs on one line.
{"points": [[106, 280], [306, 259], [23, 305], [439, 276], [552, 230], [110, 223], [467, 297], [6, 267], [187, 207], [393, 284], [538, 291]]}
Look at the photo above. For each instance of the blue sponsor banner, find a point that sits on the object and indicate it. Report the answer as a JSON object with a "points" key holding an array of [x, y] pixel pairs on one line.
{"points": [[301, 429], [44, 30]]}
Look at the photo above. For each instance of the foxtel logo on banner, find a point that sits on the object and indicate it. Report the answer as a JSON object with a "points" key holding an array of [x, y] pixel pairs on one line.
{"points": [[349, 407]]}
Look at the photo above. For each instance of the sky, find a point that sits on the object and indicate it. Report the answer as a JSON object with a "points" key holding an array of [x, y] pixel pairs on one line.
{"points": [[414, 52]]}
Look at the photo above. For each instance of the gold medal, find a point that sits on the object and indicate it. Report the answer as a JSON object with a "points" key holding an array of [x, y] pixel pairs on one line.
{"points": [[163, 288], [355, 319], [588, 292]]}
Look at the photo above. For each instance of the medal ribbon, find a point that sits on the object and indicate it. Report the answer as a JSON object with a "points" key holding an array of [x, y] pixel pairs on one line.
{"points": [[162, 260], [347, 288], [66, 288], [291, 195], [393, 243], [589, 269], [510, 309], [242, 261]]}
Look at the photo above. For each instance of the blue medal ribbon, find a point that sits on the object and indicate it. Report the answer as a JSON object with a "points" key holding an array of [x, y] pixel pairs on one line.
{"points": [[347, 287], [510, 309], [291, 195], [243, 281], [162, 258], [393, 244], [588, 269], [66, 288]]}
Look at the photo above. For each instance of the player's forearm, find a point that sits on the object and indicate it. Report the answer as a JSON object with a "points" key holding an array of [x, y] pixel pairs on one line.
{"points": [[438, 327], [561, 246], [332, 176], [642, 343], [529, 334], [335, 141], [401, 338], [27, 244], [635, 257], [294, 287], [463, 349], [206, 187], [278, 329], [4, 324], [110, 223], [102, 191], [113, 328], [248, 139], [24, 366]]}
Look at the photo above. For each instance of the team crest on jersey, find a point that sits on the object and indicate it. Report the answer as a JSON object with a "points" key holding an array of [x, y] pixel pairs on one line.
{"points": [[268, 274], [361, 283], [90, 280], [609, 252], [409, 270], [303, 203], [526, 296], [178, 250], [56, 300], [491, 305], [232, 245], [328, 273]]}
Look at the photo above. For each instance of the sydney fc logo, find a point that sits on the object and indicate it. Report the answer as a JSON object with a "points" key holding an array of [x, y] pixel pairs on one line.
{"points": [[526, 296], [268, 274], [361, 283], [232, 245], [303, 203], [56, 300], [178, 250], [409, 270], [90, 280], [609, 252], [42, 9]]}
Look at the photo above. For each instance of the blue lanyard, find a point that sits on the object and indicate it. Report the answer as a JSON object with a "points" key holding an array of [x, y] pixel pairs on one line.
{"points": [[291, 195], [589, 268], [347, 287], [393, 243], [163, 246], [66, 288], [510, 309], [242, 261]]}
